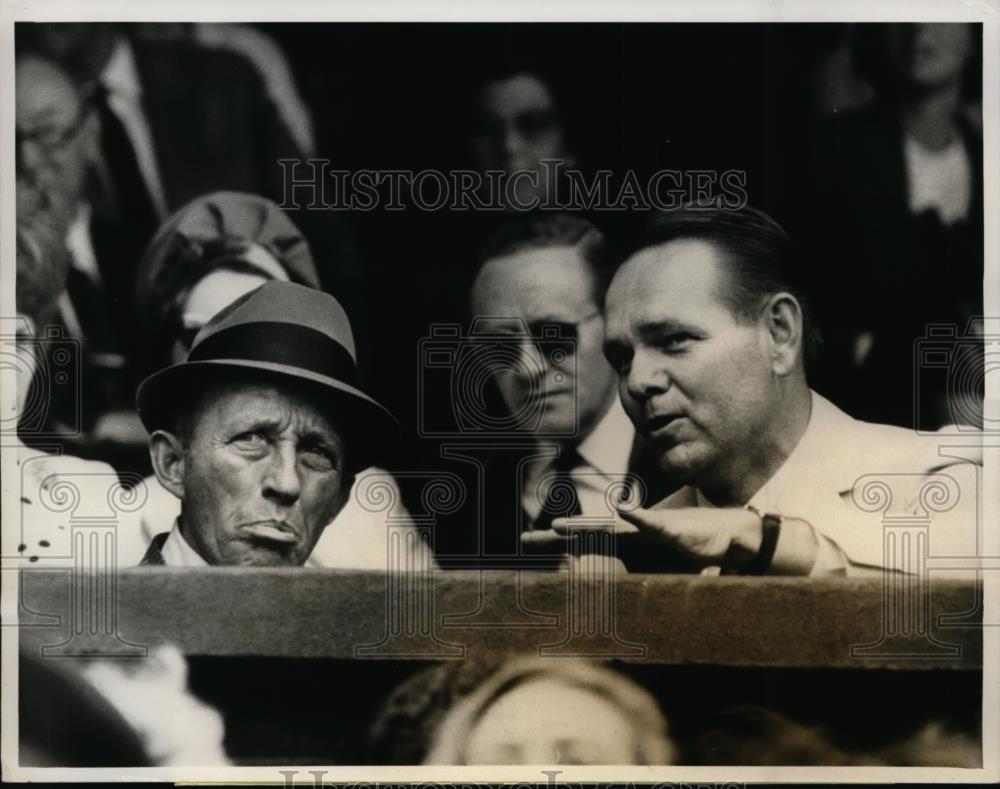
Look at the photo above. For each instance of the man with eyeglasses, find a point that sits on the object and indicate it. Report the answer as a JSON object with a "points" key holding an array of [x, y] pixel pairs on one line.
{"points": [[58, 154], [541, 283]]}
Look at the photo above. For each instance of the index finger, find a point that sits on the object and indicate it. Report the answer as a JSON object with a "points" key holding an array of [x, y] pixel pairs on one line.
{"points": [[571, 526]]}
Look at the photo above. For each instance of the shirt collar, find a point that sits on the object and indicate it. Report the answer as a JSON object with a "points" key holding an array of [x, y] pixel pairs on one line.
{"points": [[120, 75], [176, 551], [811, 464], [609, 445]]}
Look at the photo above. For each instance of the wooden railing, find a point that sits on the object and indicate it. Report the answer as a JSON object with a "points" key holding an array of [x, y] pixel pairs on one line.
{"points": [[676, 620]]}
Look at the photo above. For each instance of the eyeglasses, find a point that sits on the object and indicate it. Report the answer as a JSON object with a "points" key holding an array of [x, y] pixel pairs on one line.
{"points": [[555, 340], [52, 139]]}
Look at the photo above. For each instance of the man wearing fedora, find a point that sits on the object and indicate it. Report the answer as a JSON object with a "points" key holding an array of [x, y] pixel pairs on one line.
{"points": [[260, 431]]}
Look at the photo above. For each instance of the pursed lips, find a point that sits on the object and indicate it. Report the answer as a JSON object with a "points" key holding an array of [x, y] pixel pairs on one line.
{"points": [[272, 531]]}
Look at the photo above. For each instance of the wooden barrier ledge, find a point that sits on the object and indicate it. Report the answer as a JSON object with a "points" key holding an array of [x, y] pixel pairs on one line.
{"points": [[661, 619]]}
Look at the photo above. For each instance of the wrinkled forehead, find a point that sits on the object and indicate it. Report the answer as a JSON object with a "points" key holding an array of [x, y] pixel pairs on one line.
{"points": [[287, 404]]}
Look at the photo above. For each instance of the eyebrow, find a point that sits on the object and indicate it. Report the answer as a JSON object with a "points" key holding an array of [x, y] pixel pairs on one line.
{"points": [[327, 440], [272, 424], [653, 329], [243, 423], [514, 322]]}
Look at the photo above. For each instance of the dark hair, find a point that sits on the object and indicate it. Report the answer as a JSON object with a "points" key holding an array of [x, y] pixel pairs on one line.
{"points": [[761, 256], [547, 230], [498, 61], [404, 727], [870, 49]]}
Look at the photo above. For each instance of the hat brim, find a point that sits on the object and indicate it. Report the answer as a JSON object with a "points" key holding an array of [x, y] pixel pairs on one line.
{"points": [[372, 430]]}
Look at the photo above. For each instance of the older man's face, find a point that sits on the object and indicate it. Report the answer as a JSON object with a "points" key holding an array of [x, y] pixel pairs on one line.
{"points": [[263, 475], [57, 132], [692, 377], [549, 289]]}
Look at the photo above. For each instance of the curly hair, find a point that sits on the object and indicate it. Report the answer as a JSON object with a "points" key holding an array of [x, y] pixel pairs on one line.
{"points": [[428, 718]]}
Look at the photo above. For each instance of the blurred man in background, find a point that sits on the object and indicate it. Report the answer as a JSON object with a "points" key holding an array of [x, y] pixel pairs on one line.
{"points": [[539, 293], [58, 153]]}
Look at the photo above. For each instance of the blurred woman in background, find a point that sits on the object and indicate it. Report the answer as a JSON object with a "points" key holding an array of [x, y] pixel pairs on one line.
{"points": [[522, 710]]}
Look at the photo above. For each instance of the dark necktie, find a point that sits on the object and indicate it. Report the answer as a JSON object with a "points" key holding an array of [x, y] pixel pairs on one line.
{"points": [[562, 499], [133, 205]]}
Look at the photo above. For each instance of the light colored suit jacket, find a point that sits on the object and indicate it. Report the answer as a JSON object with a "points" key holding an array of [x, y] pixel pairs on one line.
{"points": [[862, 486]]}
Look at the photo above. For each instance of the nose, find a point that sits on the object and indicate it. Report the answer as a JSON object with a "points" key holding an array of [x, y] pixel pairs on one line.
{"points": [[281, 480], [511, 143], [647, 376]]}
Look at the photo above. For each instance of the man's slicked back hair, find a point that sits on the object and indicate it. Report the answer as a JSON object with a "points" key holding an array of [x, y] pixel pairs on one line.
{"points": [[761, 257]]}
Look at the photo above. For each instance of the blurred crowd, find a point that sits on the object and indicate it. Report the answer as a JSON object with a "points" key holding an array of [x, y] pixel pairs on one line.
{"points": [[864, 141], [511, 709]]}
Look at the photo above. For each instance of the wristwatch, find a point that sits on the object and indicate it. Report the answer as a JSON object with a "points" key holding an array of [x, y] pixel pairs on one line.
{"points": [[770, 531]]}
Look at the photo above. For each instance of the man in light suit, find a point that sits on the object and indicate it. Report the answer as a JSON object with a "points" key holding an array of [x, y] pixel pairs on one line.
{"points": [[707, 327]]}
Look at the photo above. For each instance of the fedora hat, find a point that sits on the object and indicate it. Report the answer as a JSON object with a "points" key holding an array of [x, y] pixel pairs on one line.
{"points": [[279, 331]]}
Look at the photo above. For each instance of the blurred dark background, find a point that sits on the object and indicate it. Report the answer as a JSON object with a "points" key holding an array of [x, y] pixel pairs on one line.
{"points": [[819, 117]]}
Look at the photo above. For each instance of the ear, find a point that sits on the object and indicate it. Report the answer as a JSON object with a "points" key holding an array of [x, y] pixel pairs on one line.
{"points": [[783, 318], [167, 454]]}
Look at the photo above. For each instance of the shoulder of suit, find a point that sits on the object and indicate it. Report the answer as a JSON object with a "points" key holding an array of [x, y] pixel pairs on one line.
{"points": [[891, 449]]}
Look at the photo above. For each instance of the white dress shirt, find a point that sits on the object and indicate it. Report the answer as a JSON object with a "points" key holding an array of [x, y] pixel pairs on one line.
{"points": [[177, 553], [939, 180]]}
